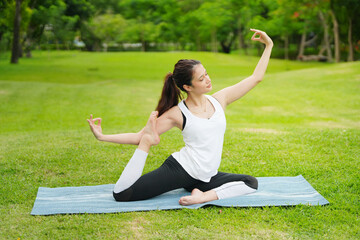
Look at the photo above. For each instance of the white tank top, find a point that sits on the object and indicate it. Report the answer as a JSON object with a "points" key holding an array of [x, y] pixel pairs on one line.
{"points": [[203, 139]]}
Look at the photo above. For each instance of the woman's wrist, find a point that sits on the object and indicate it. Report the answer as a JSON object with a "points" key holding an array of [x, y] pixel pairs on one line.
{"points": [[269, 45], [100, 137]]}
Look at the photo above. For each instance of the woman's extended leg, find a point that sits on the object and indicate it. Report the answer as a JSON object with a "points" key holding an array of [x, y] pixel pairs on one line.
{"points": [[135, 166], [221, 186]]}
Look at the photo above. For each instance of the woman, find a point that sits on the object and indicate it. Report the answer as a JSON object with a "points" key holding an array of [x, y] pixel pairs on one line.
{"points": [[202, 121]]}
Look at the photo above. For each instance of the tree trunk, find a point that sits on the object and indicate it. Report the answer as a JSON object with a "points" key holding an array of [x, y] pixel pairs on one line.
{"points": [[198, 43], [213, 41], [351, 53], [20, 50], [28, 54], [227, 43], [16, 35], [143, 46], [142, 37], [326, 36], [57, 45], [302, 43], [225, 47], [336, 36], [240, 42], [286, 47]]}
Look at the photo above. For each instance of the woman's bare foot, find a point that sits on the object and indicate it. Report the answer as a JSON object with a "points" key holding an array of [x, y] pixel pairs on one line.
{"points": [[198, 196], [150, 136]]}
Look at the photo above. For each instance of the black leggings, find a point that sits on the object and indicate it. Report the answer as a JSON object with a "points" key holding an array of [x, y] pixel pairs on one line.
{"points": [[171, 175]]}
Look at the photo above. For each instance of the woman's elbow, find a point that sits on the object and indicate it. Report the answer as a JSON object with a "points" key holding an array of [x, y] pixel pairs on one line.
{"points": [[256, 78]]}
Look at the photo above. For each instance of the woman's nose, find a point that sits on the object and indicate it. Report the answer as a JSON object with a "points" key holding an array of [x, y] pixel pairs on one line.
{"points": [[208, 80]]}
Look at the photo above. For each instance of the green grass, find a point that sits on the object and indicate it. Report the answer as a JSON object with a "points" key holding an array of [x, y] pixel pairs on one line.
{"points": [[304, 118]]}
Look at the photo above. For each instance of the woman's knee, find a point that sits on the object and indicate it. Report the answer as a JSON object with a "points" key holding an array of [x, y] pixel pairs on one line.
{"points": [[123, 196], [251, 182]]}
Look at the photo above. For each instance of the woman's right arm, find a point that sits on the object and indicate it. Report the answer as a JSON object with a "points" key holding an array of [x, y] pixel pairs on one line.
{"points": [[169, 119], [122, 138]]}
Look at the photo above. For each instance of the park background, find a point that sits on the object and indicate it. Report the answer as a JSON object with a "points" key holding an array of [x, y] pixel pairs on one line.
{"points": [[61, 61]]}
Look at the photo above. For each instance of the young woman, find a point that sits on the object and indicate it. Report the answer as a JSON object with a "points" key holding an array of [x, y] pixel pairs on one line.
{"points": [[202, 121]]}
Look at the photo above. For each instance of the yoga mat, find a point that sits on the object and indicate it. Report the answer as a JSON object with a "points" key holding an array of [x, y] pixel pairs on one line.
{"points": [[273, 191]]}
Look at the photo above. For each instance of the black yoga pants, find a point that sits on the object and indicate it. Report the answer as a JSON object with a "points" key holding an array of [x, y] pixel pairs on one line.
{"points": [[171, 175]]}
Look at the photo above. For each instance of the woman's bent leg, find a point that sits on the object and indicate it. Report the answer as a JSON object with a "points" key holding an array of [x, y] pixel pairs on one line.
{"points": [[233, 189], [135, 166], [169, 176], [132, 171]]}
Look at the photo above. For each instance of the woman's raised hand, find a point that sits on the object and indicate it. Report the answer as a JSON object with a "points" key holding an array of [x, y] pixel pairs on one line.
{"points": [[95, 126], [262, 37]]}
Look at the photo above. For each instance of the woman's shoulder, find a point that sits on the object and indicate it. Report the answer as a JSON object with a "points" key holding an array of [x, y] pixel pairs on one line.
{"points": [[174, 114], [220, 99]]}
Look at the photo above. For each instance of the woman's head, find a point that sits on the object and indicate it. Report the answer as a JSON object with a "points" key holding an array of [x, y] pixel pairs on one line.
{"points": [[182, 75], [183, 72]]}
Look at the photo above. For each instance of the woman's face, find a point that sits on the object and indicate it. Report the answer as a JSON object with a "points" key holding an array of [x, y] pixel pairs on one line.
{"points": [[201, 82]]}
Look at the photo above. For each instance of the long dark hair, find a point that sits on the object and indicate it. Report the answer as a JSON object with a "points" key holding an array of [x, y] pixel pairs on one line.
{"points": [[174, 82]]}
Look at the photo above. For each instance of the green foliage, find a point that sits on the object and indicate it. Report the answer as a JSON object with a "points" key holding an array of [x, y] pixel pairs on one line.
{"points": [[203, 25], [108, 27], [62, 25]]}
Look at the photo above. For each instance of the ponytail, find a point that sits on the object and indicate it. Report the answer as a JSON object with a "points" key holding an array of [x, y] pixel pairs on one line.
{"points": [[170, 95], [174, 82]]}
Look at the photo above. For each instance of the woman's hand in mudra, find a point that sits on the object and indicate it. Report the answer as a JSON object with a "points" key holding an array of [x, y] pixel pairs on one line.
{"points": [[95, 126], [262, 37]]}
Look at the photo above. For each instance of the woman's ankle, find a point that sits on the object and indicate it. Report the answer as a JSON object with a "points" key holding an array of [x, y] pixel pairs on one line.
{"points": [[145, 143]]}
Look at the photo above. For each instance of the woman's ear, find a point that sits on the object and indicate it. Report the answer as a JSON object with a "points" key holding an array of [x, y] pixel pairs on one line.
{"points": [[187, 87]]}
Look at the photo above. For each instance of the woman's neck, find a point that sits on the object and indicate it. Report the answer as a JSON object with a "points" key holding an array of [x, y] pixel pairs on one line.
{"points": [[196, 100]]}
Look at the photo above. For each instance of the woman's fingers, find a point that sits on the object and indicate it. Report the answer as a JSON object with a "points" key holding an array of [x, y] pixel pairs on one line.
{"points": [[255, 30], [93, 120], [256, 33], [98, 120], [262, 36], [253, 36]]}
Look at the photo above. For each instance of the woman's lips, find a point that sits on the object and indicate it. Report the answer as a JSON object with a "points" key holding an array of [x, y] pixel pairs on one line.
{"points": [[209, 86]]}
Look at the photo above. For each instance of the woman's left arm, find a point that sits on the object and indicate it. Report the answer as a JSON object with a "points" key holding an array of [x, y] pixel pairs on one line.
{"points": [[233, 93]]}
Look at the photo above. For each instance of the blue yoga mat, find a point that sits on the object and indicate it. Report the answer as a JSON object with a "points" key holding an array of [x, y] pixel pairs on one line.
{"points": [[273, 191]]}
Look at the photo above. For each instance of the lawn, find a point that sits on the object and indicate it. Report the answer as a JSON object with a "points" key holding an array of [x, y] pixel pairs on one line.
{"points": [[304, 118]]}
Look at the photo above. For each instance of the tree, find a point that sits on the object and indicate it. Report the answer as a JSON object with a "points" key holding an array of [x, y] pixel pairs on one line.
{"points": [[323, 16], [108, 28], [335, 32], [50, 14], [62, 26], [4, 20], [284, 23], [308, 11], [212, 21], [83, 11], [228, 24], [170, 30], [15, 52], [143, 21], [352, 16]]}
